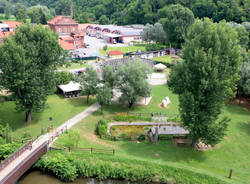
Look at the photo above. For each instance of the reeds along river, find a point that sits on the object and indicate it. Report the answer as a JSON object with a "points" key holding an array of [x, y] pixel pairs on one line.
{"points": [[37, 177]]}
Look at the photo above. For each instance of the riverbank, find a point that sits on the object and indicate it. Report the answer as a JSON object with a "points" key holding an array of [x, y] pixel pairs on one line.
{"points": [[68, 166]]}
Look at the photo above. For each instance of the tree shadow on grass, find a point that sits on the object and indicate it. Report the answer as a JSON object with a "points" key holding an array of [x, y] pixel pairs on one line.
{"points": [[244, 127], [80, 101]]}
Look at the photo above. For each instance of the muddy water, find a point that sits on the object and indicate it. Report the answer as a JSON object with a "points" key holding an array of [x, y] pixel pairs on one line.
{"points": [[37, 177]]}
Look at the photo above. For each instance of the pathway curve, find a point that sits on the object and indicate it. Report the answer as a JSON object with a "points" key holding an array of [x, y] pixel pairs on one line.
{"points": [[47, 137]]}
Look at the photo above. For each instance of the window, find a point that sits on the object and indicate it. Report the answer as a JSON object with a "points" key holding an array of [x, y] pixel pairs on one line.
{"points": [[59, 30], [73, 29]]}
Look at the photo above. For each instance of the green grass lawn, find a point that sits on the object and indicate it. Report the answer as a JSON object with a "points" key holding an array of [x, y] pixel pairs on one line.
{"points": [[61, 109], [166, 59], [74, 66], [2, 17], [232, 153], [122, 49]]}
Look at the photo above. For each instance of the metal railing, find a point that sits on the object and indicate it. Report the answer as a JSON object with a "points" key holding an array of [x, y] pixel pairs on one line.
{"points": [[12, 157]]}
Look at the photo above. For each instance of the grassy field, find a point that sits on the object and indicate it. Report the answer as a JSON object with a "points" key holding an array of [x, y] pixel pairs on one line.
{"points": [[74, 66], [2, 17], [165, 59], [232, 153], [57, 107], [122, 49]]}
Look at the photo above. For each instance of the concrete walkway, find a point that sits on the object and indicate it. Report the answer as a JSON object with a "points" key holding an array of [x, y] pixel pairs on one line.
{"points": [[45, 138]]}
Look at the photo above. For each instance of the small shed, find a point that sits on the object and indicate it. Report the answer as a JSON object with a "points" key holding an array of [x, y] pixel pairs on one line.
{"points": [[72, 89], [115, 54]]}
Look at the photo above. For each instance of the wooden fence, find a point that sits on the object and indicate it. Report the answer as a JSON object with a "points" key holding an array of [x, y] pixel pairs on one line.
{"points": [[90, 150], [12, 157]]}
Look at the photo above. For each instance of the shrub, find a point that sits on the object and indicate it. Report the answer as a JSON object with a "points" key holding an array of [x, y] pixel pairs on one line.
{"points": [[102, 127], [7, 149], [152, 47], [111, 167], [141, 138], [58, 165]]}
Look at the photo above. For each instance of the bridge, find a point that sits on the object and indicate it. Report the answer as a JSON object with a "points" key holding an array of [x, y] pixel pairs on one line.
{"points": [[19, 162]]}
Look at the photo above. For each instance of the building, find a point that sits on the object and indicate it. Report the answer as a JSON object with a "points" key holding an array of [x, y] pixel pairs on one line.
{"points": [[66, 45], [68, 30], [12, 24], [64, 25], [115, 34], [115, 54], [3, 35], [4, 28]]}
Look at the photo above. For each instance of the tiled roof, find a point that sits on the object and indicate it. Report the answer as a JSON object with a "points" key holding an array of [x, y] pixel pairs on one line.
{"points": [[4, 34], [12, 24], [66, 38], [55, 19], [115, 52], [66, 45]]}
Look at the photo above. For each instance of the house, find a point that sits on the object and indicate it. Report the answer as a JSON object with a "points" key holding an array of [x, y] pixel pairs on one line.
{"points": [[66, 45], [115, 54], [64, 25], [12, 24], [3, 35], [68, 30]]}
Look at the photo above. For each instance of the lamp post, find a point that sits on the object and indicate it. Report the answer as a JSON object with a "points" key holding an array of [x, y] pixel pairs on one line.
{"points": [[51, 120]]}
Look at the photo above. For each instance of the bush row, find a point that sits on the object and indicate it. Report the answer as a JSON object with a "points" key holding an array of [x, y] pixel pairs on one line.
{"points": [[129, 118], [67, 167]]}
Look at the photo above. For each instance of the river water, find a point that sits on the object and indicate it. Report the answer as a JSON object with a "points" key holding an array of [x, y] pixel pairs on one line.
{"points": [[37, 177]]}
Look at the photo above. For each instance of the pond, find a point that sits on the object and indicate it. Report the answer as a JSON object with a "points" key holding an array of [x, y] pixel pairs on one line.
{"points": [[37, 177]]}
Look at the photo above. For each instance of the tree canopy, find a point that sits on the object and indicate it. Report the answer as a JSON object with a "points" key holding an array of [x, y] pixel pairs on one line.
{"points": [[28, 61], [132, 81], [176, 19], [206, 78]]}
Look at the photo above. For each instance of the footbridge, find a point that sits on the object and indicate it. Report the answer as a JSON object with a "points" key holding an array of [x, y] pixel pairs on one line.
{"points": [[12, 168]]}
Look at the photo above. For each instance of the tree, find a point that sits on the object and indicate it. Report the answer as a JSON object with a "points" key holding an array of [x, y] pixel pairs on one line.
{"points": [[104, 96], [176, 19], [7, 12], [132, 81], [63, 77], [43, 19], [154, 33], [206, 78], [89, 81], [28, 61], [244, 82], [243, 36], [104, 20], [147, 33], [21, 14], [109, 77]]}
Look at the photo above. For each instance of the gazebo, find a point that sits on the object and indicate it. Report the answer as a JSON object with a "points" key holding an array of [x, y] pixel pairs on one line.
{"points": [[70, 90]]}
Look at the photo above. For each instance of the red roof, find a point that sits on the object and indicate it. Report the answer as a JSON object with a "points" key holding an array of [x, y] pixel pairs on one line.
{"points": [[12, 24], [115, 52], [66, 38], [4, 34], [66, 45]]}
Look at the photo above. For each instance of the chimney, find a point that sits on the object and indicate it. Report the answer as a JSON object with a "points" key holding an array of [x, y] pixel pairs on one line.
{"points": [[71, 11]]}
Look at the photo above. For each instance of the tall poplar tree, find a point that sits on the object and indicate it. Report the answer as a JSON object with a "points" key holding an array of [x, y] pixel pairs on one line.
{"points": [[28, 60], [206, 78]]}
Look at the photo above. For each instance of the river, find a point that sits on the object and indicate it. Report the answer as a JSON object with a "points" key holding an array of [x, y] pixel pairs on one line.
{"points": [[37, 177]]}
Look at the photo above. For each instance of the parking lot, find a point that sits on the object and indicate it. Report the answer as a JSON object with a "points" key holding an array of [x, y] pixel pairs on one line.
{"points": [[95, 44]]}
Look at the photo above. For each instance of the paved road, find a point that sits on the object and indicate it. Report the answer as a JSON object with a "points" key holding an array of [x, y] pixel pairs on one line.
{"points": [[95, 45], [42, 139]]}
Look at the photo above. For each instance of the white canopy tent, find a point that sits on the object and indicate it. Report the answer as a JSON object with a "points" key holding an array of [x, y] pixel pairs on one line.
{"points": [[160, 66]]}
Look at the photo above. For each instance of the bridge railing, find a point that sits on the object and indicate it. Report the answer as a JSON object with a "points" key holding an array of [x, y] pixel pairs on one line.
{"points": [[12, 157]]}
